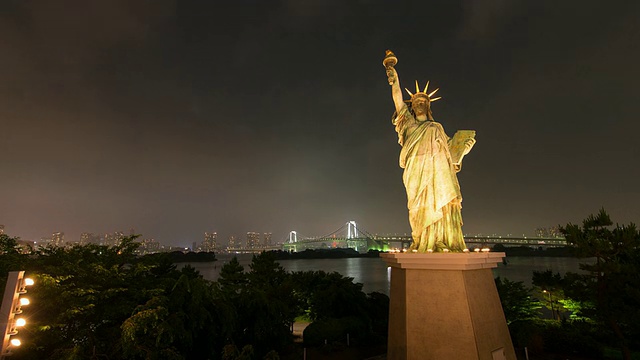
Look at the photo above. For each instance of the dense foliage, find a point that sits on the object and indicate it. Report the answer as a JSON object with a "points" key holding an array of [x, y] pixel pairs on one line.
{"points": [[610, 289], [590, 311], [97, 301], [517, 301]]}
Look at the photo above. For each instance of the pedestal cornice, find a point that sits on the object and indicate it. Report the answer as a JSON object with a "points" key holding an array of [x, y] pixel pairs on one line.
{"points": [[443, 261]]}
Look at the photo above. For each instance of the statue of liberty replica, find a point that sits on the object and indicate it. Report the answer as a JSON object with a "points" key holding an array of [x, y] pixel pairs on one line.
{"points": [[430, 160]]}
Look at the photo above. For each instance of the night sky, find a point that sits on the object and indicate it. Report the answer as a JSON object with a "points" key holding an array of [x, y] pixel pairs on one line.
{"points": [[180, 117]]}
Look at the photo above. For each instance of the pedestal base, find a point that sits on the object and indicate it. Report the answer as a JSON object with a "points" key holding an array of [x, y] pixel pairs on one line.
{"points": [[446, 306]]}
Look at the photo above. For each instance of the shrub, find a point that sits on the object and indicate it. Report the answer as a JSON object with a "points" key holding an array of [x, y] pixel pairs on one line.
{"points": [[335, 330]]}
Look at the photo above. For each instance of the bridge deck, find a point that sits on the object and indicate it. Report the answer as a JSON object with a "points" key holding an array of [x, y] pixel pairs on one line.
{"points": [[398, 242]]}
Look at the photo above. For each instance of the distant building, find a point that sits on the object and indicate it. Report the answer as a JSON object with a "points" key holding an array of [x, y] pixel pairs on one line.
{"points": [[44, 241], [89, 238], [148, 246], [1, 229], [233, 242], [555, 232], [210, 242], [57, 238], [551, 232], [84, 238], [113, 239], [266, 239], [253, 240], [152, 245]]}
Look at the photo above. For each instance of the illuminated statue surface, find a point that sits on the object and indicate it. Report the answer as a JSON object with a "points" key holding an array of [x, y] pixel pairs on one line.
{"points": [[430, 160]]}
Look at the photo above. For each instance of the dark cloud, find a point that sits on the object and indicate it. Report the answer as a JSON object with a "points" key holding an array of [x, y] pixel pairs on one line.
{"points": [[176, 118]]}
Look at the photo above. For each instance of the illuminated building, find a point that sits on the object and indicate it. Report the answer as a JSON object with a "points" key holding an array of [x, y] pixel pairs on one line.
{"points": [[210, 243], [253, 239], [84, 238], [552, 232], [148, 246], [233, 242], [113, 239], [266, 239], [89, 238], [57, 238]]}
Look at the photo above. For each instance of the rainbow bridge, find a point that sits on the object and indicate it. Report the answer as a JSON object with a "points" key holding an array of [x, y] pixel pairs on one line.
{"points": [[350, 236]]}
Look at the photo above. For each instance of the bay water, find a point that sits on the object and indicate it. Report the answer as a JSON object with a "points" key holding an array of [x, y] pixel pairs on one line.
{"points": [[374, 274]]}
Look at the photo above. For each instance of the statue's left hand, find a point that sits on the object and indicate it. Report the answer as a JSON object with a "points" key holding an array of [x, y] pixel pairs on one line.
{"points": [[468, 144]]}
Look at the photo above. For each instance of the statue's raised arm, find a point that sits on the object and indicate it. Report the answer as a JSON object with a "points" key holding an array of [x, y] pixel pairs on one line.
{"points": [[390, 60]]}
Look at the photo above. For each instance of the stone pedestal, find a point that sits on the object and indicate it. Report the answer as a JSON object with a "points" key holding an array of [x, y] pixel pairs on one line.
{"points": [[446, 306]]}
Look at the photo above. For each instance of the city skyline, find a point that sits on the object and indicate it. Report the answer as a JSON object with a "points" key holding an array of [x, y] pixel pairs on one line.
{"points": [[177, 118], [210, 241]]}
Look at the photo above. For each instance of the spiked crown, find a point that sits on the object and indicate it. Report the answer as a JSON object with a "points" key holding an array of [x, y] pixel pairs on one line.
{"points": [[423, 93]]}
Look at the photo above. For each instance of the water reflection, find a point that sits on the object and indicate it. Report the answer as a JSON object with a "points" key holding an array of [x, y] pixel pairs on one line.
{"points": [[376, 276], [521, 268]]}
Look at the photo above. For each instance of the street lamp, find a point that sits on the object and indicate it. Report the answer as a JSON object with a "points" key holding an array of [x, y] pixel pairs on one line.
{"points": [[12, 304], [550, 303]]}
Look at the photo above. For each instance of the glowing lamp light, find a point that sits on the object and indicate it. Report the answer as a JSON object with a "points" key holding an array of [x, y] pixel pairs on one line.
{"points": [[476, 250], [12, 304], [485, 250], [465, 250], [446, 250], [428, 250]]}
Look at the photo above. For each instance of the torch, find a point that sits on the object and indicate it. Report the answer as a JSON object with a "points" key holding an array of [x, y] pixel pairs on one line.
{"points": [[390, 60]]}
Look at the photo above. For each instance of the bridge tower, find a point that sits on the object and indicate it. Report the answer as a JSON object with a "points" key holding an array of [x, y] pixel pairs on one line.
{"points": [[293, 237], [352, 230]]}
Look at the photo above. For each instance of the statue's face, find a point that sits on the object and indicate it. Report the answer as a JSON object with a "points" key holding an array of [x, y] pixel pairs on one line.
{"points": [[420, 107]]}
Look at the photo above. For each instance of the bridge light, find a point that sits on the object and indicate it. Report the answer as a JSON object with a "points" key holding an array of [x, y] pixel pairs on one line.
{"points": [[465, 250], [446, 250], [428, 250], [476, 250], [486, 250]]}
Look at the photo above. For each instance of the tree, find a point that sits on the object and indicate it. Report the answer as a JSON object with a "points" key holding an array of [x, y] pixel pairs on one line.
{"points": [[84, 294], [232, 278], [516, 300], [337, 306], [551, 290], [11, 258], [330, 295], [101, 301], [183, 322], [612, 282], [270, 305]]}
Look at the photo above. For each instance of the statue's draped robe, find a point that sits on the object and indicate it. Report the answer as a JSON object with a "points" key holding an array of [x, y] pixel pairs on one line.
{"points": [[433, 192]]}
